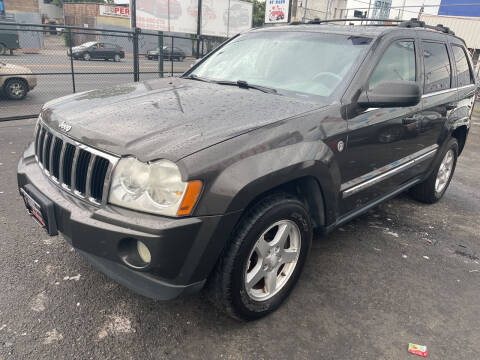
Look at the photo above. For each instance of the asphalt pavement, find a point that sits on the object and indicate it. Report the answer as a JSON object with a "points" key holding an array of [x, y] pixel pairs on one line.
{"points": [[404, 272], [55, 80]]}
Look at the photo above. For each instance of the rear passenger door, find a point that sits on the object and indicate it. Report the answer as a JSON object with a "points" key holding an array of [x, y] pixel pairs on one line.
{"points": [[439, 98]]}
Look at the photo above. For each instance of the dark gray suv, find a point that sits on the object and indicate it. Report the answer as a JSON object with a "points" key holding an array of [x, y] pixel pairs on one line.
{"points": [[218, 179]]}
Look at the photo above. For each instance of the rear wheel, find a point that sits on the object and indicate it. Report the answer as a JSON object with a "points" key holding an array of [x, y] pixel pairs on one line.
{"points": [[116, 58], [3, 49], [16, 89], [433, 188], [264, 259]]}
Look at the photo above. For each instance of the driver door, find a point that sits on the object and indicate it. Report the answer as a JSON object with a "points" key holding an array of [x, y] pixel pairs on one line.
{"points": [[382, 140]]}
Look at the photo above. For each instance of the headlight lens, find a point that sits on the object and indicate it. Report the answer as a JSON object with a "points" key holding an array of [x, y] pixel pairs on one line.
{"points": [[155, 188]]}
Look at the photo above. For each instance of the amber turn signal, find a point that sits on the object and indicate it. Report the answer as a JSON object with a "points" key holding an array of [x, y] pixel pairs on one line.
{"points": [[190, 199]]}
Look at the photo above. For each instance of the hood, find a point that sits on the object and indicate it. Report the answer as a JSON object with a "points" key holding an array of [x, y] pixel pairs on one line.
{"points": [[167, 118], [15, 69]]}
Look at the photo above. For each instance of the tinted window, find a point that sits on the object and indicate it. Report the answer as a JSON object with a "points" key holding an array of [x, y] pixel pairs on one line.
{"points": [[464, 74], [437, 67], [397, 63]]}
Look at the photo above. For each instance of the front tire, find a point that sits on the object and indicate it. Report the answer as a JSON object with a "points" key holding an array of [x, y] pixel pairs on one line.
{"points": [[432, 189], [86, 57], [264, 259]]}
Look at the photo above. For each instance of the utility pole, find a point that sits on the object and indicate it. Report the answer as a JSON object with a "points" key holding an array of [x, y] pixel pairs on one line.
{"points": [[328, 9], [305, 10]]}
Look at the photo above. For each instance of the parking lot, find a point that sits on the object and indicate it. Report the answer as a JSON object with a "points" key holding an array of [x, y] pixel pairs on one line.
{"points": [[404, 272], [54, 74]]}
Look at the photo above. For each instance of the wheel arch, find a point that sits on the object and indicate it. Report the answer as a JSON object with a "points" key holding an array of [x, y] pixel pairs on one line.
{"points": [[460, 134]]}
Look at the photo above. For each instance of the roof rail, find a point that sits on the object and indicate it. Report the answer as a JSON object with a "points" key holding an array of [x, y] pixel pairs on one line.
{"points": [[412, 23], [319, 21]]}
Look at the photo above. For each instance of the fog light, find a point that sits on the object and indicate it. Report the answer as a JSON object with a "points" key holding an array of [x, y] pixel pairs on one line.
{"points": [[143, 252]]}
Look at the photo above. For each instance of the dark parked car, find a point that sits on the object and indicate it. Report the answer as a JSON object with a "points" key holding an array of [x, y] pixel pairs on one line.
{"points": [[218, 179], [168, 53], [8, 36], [97, 50]]}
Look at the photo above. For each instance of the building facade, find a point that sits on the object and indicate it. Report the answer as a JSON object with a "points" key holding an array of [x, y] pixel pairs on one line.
{"points": [[305, 10]]}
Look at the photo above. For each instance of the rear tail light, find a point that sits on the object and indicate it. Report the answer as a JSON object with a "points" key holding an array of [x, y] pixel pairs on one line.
{"points": [[122, 49]]}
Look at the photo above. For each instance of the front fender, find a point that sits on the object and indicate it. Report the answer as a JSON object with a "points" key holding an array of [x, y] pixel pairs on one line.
{"points": [[245, 175]]}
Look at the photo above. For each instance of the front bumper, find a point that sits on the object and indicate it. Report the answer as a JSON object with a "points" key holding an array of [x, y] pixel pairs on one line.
{"points": [[183, 250]]}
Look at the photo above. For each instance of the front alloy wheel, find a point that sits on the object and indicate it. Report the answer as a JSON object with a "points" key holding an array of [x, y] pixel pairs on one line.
{"points": [[86, 57], [272, 260], [264, 258]]}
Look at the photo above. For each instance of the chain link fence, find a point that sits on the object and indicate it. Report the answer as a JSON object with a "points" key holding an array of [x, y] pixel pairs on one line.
{"points": [[39, 63]]}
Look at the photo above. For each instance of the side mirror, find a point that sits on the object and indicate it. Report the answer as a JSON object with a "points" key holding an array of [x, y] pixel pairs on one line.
{"points": [[391, 94]]}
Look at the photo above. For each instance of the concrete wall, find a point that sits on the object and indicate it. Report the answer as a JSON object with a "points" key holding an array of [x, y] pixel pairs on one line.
{"points": [[29, 39]]}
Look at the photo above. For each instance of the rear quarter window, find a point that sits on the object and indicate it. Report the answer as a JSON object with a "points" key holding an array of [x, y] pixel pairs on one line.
{"points": [[464, 72]]}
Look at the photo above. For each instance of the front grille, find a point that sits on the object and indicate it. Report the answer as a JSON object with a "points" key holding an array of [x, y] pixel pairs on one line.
{"points": [[77, 168]]}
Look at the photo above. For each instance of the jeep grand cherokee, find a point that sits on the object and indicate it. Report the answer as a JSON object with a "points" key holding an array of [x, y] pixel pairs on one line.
{"points": [[217, 179]]}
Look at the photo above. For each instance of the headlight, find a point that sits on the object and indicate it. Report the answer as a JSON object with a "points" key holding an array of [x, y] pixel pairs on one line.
{"points": [[155, 188]]}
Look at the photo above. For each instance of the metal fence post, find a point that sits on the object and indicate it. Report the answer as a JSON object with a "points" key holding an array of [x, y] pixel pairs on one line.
{"points": [[71, 58], [136, 68], [171, 57], [199, 26], [160, 53]]}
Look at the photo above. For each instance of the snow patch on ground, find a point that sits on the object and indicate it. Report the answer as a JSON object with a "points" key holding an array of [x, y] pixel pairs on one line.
{"points": [[38, 304], [116, 325], [52, 336]]}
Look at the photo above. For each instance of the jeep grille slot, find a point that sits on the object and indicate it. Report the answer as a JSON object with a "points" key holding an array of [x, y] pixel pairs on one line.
{"points": [[67, 164], [78, 169], [57, 148], [46, 151]]}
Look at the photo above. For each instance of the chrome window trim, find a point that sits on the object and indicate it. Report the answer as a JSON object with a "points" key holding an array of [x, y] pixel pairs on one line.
{"points": [[446, 91], [362, 182]]}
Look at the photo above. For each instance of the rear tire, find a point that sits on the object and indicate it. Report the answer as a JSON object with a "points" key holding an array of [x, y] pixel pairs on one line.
{"points": [[16, 89], [260, 266], [116, 58], [3, 49], [432, 189]]}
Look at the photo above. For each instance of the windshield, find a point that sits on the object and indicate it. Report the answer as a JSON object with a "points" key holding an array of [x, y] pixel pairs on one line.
{"points": [[302, 62]]}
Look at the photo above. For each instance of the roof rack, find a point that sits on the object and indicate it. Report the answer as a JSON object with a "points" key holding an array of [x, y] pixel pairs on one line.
{"points": [[412, 23]]}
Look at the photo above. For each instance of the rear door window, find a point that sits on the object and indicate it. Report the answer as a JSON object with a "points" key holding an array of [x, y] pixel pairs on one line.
{"points": [[438, 70], [397, 63], [464, 73]]}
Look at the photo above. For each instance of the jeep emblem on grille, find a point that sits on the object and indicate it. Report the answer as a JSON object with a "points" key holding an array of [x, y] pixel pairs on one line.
{"points": [[65, 127]]}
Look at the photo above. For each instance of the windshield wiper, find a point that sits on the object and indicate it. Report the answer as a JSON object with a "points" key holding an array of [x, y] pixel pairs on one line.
{"points": [[245, 85], [196, 77]]}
